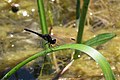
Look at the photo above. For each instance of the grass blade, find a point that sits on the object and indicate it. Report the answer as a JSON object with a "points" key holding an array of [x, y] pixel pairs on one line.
{"points": [[82, 19], [42, 17], [99, 39], [109, 75]]}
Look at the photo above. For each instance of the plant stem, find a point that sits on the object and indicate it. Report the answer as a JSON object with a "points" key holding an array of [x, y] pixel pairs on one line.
{"points": [[81, 25], [41, 10], [42, 16], [78, 10]]}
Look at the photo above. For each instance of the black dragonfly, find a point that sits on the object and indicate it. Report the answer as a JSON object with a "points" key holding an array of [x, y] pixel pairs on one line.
{"points": [[46, 37]]}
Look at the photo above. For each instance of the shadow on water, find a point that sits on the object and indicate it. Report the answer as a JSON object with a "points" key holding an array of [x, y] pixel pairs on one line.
{"points": [[21, 74]]}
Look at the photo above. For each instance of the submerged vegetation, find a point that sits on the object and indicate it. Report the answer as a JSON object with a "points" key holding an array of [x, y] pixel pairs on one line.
{"points": [[95, 29]]}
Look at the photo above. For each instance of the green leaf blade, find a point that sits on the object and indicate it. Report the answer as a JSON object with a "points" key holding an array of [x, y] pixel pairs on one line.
{"points": [[109, 75], [99, 39]]}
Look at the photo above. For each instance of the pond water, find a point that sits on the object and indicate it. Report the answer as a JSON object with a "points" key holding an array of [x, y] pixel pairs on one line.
{"points": [[16, 44]]}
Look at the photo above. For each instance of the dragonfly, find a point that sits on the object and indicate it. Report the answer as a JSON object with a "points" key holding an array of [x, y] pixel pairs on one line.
{"points": [[46, 37]]}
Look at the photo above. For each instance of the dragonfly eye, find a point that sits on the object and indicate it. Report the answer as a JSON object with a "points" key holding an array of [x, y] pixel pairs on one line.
{"points": [[53, 41]]}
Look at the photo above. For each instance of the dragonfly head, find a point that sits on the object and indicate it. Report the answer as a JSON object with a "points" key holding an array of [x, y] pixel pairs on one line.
{"points": [[53, 41]]}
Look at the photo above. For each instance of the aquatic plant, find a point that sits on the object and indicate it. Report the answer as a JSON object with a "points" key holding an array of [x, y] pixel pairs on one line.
{"points": [[79, 46]]}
